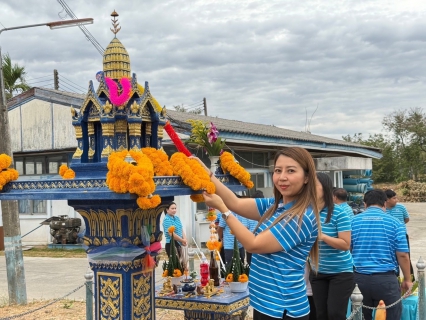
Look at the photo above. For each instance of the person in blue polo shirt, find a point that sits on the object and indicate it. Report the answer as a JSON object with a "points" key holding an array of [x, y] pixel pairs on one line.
{"points": [[224, 233], [171, 219], [399, 211], [340, 197], [286, 235], [332, 280], [378, 242]]}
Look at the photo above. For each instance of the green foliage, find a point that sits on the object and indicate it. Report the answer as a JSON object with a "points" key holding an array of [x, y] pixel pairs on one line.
{"points": [[403, 147], [14, 77], [236, 266], [174, 262], [206, 137], [181, 108]]}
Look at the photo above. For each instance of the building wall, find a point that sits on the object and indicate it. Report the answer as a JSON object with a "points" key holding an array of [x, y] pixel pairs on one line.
{"points": [[40, 125]]}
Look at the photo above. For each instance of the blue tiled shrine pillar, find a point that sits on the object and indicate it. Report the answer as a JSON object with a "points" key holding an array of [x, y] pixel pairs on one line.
{"points": [[122, 290]]}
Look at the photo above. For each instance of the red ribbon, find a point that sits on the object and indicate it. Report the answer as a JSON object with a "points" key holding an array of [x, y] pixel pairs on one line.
{"points": [[176, 140]]}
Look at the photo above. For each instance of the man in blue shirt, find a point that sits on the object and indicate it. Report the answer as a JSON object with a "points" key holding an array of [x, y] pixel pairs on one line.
{"points": [[399, 211], [340, 196], [378, 244], [224, 233]]}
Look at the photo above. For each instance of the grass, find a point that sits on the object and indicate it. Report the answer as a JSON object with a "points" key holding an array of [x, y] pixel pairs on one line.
{"points": [[44, 251]]}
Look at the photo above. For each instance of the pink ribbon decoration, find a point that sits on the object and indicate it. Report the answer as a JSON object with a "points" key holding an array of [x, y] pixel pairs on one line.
{"points": [[121, 99]]}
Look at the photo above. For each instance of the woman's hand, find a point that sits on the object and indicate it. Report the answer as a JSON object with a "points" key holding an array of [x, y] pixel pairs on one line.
{"points": [[200, 162], [213, 200]]}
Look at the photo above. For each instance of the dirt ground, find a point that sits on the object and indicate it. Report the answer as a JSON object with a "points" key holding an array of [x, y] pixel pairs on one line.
{"points": [[67, 310]]}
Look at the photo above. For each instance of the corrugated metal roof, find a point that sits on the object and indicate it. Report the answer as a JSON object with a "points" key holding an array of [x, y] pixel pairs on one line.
{"points": [[240, 127], [65, 97]]}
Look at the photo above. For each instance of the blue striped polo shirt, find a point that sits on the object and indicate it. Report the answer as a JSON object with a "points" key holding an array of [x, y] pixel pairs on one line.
{"points": [[332, 260], [228, 238], [346, 208], [399, 212], [376, 237], [172, 221], [276, 279]]}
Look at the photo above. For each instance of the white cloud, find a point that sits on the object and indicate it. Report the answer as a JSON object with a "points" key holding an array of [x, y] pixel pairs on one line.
{"points": [[268, 62]]}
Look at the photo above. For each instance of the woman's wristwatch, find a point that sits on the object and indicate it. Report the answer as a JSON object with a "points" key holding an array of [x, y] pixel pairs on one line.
{"points": [[226, 214]]}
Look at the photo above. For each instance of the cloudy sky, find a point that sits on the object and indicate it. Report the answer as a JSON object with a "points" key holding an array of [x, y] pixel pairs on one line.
{"points": [[272, 62]]}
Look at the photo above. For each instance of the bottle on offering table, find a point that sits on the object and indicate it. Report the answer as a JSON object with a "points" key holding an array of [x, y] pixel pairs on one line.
{"points": [[214, 268], [204, 270]]}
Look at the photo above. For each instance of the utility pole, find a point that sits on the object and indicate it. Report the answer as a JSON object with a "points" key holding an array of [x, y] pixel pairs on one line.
{"points": [[10, 214], [55, 79], [205, 106]]}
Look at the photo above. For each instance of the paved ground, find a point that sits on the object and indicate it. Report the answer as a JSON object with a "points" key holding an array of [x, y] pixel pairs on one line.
{"points": [[49, 278]]}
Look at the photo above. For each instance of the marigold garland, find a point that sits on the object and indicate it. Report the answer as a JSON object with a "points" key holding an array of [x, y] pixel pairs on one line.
{"points": [[160, 160], [62, 169], [5, 161], [228, 164], [192, 173], [6, 174], [66, 173], [125, 177], [197, 197], [213, 244]]}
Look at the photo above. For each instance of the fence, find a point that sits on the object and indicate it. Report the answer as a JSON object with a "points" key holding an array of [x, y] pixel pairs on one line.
{"points": [[356, 297]]}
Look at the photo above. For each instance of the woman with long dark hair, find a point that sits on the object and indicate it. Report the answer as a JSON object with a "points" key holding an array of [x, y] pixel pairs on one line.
{"points": [[285, 235], [332, 280], [171, 219]]}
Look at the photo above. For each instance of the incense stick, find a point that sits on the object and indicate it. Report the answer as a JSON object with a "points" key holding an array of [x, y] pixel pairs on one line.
{"points": [[220, 258], [197, 248]]}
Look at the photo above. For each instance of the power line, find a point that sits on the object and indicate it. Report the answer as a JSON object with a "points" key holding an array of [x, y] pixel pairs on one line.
{"points": [[84, 89], [40, 77], [30, 83], [86, 32], [201, 101], [70, 85], [68, 88], [199, 106]]}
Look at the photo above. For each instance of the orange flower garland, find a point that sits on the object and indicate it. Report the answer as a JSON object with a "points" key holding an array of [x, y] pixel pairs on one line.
{"points": [[213, 244], [192, 173], [125, 177], [5, 161], [6, 174], [197, 197], [160, 160], [66, 173], [228, 164]]}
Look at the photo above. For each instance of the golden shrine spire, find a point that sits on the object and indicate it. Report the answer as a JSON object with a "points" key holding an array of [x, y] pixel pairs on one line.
{"points": [[115, 23]]}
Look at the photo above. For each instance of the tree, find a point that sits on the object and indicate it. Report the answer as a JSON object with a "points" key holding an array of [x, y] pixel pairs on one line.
{"points": [[181, 108], [14, 77], [403, 147], [384, 169], [408, 130]]}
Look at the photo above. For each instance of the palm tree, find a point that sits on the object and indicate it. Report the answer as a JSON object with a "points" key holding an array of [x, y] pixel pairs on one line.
{"points": [[11, 76]]}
